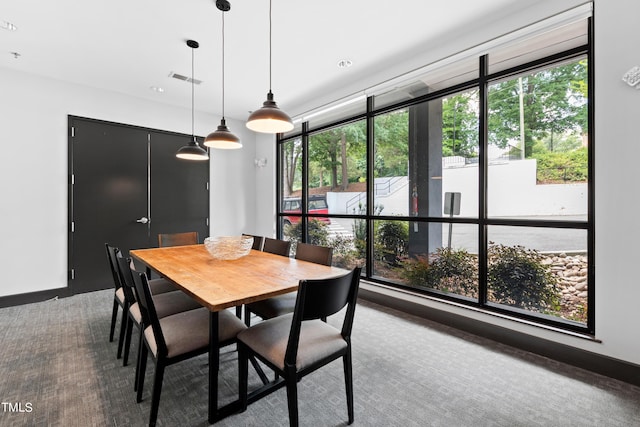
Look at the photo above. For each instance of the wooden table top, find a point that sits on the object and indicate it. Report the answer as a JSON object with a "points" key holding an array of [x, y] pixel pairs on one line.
{"points": [[220, 284]]}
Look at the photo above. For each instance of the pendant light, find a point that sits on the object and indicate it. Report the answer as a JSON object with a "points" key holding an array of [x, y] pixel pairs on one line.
{"points": [[269, 118], [192, 151], [222, 138]]}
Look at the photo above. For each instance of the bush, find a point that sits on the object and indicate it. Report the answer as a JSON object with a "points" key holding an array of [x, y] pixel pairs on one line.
{"points": [[517, 277], [359, 228], [317, 232], [568, 166], [392, 240], [448, 270], [344, 253]]}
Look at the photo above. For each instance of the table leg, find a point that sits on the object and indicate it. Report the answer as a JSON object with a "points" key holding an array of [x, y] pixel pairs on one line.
{"points": [[214, 363]]}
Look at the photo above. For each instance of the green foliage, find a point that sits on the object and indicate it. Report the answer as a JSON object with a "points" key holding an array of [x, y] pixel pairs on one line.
{"points": [[460, 125], [359, 228], [392, 240], [291, 173], [517, 277], [317, 232], [554, 103], [448, 270], [344, 253], [391, 132], [325, 153], [562, 166]]}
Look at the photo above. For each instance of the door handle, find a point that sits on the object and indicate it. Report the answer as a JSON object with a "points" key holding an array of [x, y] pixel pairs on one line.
{"points": [[143, 220]]}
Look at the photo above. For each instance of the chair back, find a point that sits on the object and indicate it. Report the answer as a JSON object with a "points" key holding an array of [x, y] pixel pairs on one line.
{"points": [[314, 253], [178, 239], [148, 312], [276, 246], [112, 253], [126, 279], [318, 299], [258, 241]]}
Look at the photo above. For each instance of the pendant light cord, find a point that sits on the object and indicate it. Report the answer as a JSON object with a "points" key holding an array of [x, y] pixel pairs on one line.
{"points": [[192, 95], [270, 3], [222, 65]]}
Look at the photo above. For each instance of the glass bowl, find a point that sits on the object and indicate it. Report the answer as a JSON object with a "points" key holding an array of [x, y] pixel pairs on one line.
{"points": [[228, 247]]}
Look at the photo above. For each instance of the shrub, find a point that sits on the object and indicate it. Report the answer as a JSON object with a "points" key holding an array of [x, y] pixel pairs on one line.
{"points": [[568, 166], [392, 239], [447, 270], [316, 231], [517, 277]]}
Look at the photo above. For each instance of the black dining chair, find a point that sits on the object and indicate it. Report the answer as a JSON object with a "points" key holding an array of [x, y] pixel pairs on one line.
{"points": [[178, 239], [175, 338], [276, 246], [299, 343], [166, 304], [158, 286], [283, 304], [258, 241], [118, 296]]}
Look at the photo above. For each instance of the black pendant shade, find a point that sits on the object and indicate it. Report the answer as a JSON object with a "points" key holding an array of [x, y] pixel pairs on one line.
{"points": [[192, 151], [269, 118], [222, 138]]}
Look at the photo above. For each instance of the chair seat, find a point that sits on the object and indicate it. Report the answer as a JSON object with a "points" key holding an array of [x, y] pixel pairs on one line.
{"points": [[274, 307], [318, 340], [189, 331], [161, 286], [167, 304]]}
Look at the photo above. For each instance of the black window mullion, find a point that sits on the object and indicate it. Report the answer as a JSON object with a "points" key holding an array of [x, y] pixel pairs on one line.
{"points": [[305, 183], [483, 135], [370, 138]]}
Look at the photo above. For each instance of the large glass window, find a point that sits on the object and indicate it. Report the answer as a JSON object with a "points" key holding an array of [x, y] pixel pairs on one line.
{"points": [[470, 184]]}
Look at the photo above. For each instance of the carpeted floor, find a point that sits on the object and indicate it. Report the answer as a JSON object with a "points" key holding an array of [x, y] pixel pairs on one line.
{"points": [[57, 368]]}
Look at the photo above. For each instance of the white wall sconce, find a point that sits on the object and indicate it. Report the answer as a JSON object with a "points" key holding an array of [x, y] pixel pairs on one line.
{"points": [[262, 162], [632, 77]]}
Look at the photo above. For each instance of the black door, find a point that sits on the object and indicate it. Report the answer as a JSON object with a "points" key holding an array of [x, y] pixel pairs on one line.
{"points": [[126, 186]]}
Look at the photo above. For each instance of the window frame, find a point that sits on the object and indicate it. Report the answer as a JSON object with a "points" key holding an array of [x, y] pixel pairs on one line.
{"points": [[483, 221]]}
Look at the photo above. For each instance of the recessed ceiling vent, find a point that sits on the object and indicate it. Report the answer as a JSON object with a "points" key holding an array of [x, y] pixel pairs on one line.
{"points": [[184, 78]]}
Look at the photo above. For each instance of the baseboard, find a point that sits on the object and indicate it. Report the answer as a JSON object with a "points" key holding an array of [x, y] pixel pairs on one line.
{"points": [[597, 363], [30, 297]]}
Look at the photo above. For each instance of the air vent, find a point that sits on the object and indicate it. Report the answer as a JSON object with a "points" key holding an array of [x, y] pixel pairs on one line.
{"points": [[184, 78]]}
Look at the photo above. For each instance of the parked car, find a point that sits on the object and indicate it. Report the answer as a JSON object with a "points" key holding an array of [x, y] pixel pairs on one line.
{"points": [[317, 205]]}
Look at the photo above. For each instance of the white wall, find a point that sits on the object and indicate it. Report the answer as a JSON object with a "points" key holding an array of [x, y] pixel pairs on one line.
{"points": [[33, 187]]}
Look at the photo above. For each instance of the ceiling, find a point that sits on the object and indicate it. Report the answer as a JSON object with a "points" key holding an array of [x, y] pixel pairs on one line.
{"points": [[131, 46]]}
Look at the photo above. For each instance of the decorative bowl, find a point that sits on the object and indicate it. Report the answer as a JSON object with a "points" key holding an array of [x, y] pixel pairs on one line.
{"points": [[228, 247]]}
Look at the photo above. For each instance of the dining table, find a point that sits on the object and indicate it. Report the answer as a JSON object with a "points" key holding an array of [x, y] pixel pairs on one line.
{"points": [[222, 284]]}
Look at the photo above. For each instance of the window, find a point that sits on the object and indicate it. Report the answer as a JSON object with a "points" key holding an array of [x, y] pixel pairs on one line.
{"points": [[467, 184]]}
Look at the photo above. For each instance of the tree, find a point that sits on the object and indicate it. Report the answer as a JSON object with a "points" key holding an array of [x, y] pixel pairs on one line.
{"points": [[460, 125], [391, 144], [555, 102], [334, 149], [291, 152]]}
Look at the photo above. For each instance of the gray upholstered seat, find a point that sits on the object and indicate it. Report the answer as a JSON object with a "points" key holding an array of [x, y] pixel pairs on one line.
{"points": [[167, 304], [189, 331], [317, 341]]}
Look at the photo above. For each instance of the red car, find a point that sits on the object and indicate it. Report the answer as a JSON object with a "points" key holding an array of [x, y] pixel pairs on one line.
{"points": [[317, 205]]}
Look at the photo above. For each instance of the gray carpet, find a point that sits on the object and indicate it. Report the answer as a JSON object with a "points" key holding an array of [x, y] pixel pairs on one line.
{"points": [[58, 368]]}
